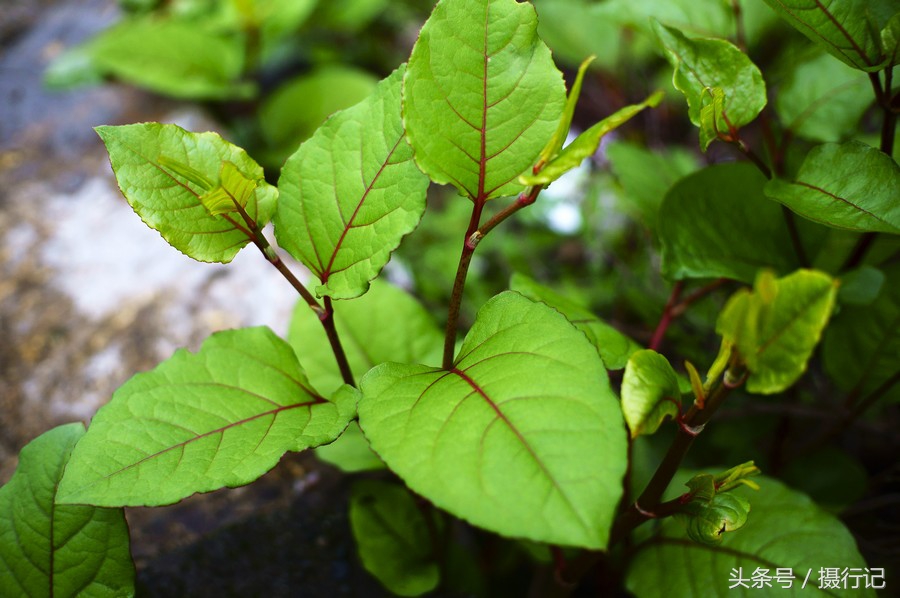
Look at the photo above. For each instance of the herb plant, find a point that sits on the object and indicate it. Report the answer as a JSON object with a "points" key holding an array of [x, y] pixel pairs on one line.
{"points": [[527, 428]]}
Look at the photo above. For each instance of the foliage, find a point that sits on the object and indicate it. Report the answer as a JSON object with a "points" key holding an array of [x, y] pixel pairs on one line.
{"points": [[525, 436]]}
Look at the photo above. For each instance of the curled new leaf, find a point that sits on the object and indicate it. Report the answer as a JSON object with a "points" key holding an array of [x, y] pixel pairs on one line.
{"points": [[185, 185], [708, 521], [201, 421], [650, 392]]}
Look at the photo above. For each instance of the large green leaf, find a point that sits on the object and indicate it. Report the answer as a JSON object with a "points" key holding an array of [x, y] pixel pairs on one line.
{"points": [[650, 392], [775, 327], [184, 185], [851, 186], [411, 337], [481, 96], [614, 347], [847, 29], [392, 537], [58, 550], [703, 65], [523, 436], [172, 57], [200, 421], [861, 349], [350, 193], [717, 223], [586, 144], [786, 532], [630, 164], [823, 99]]}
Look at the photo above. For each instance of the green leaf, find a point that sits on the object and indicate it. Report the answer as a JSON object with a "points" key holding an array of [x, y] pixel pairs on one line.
{"points": [[785, 530], [861, 286], [586, 144], [775, 327], [575, 28], [630, 163], [411, 337], [710, 117], [200, 421], [392, 537], [650, 392], [890, 41], [717, 223], [321, 93], [523, 436], [350, 452], [702, 65], [176, 182], [58, 550], [350, 193], [614, 347], [846, 29], [551, 150], [172, 57], [481, 96], [823, 99], [861, 350], [707, 522], [851, 186]]}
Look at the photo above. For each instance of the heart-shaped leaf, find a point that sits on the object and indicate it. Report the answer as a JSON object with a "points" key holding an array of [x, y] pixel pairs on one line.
{"points": [[58, 550], [523, 436], [185, 185], [350, 193], [482, 96], [200, 421]]}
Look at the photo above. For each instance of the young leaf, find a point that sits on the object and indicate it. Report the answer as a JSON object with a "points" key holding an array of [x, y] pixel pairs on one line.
{"points": [[776, 327], [392, 536], [845, 29], [58, 550], [523, 436], [350, 193], [823, 99], [481, 96], [614, 347], [177, 182], [851, 186], [707, 522], [172, 57], [411, 337], [890, 41], [200, 421], [861, 349], [702, 65], [551, 150], [711, 120], [586, 144], [717, 223], [785, 531], [650, 392]]}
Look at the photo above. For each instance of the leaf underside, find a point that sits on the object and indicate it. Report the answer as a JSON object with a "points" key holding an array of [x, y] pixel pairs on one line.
{"points": [[201, 421], [523, 436]]}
